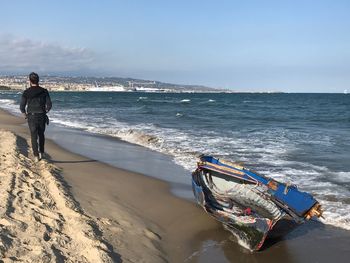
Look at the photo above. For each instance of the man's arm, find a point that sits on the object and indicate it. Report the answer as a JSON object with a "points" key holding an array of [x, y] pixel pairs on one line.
{"points": [[22, 105], [48, 102]]}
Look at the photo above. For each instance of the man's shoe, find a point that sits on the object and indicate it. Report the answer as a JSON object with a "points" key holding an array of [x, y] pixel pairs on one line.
{"points": [[42, 156]]}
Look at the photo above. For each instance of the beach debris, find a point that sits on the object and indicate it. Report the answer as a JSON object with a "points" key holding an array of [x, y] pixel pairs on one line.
{"points": [[251, 206]]}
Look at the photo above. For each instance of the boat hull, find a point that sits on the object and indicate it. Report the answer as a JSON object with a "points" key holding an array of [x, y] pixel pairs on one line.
{"points": [[249, 223]]}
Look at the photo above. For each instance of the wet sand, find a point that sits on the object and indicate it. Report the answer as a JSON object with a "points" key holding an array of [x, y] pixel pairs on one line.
{"points": [[142, 221]]}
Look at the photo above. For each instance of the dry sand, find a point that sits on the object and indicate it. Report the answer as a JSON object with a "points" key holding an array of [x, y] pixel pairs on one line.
{"points": [[40, 220]]}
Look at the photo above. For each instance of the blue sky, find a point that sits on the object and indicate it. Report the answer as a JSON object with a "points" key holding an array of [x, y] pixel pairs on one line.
{"points": [[292, 46]]}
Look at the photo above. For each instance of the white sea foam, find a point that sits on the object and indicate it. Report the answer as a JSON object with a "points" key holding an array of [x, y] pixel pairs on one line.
{"points": [[342, 177], [72, 124], [7, 102], [10, 105], [336, 214], [253, 101]]}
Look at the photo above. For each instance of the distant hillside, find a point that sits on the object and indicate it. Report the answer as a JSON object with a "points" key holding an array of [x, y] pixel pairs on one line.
{"points": [[127, 82], [64, 83]]}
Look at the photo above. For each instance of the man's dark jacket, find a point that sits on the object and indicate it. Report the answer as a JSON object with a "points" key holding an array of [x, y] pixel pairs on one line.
{"points": [[38, 100]]}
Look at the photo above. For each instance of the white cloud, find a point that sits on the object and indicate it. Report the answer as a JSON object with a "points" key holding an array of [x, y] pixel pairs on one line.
{"points": [[22, 55]]}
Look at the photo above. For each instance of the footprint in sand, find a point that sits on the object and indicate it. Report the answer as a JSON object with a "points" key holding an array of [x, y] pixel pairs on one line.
{"points": [[152, 235]]}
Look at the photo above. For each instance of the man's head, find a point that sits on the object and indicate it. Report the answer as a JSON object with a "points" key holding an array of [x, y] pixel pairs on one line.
{"points": [[34, 79]]}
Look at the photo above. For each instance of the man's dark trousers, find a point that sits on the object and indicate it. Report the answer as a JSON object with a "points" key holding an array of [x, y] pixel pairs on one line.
{"points": [[36, 123]]}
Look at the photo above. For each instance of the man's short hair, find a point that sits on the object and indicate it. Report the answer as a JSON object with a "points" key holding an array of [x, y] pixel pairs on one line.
{"points": [[34, 78]]}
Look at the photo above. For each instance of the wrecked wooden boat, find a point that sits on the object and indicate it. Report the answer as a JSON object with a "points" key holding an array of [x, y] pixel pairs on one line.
{"points": [[251, 206]]}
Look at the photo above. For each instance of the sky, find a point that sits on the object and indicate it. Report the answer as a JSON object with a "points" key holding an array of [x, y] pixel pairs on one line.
{"points": [[251, 45]]}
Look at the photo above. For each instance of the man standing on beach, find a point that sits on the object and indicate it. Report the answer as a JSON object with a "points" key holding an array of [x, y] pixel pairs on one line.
{"points": [[35, 103]]}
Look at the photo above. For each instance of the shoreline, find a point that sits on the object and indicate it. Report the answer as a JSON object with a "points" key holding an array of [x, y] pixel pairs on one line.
{"points": [[115, 191], [125, 155], [168, 228]]}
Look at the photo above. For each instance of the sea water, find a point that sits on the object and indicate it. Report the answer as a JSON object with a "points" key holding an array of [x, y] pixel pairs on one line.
{"points": [[303, 139]]}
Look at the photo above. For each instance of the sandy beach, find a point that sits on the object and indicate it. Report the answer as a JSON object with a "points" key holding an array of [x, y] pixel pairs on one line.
{"points": [[116, 208], [71, 208]]}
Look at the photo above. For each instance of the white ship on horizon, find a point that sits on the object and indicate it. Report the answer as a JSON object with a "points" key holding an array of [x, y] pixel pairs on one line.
{"points": [[117, 88], [345, 91], [145, 89]]}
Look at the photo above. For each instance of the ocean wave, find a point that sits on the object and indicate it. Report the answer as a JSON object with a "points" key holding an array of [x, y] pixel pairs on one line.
{"points": [[7, 102], [253, 101], [157, 101], [208, 102], [336, 214], [10, 105], [138, 137]]}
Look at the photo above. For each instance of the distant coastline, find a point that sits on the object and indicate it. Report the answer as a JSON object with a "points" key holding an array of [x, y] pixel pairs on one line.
{"points": [[59, 83], [110, 84], [117, 84]]}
